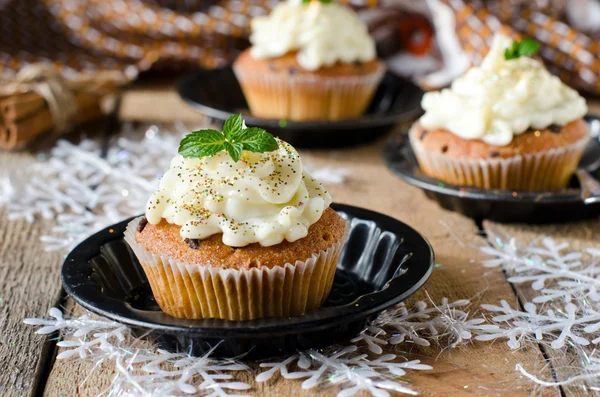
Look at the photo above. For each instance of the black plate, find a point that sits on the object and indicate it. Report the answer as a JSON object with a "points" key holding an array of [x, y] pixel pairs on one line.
{"points": [[383, 263], [500, 205], [217, 94]]}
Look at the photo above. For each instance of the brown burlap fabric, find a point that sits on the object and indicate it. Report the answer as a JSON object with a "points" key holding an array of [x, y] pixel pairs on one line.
{"points": [[134, 35], [571, 54]]}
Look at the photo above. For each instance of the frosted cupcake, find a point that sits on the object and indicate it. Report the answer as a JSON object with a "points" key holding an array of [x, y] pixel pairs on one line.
{"points": [[237, 230], [309, 60], [507, 124]]}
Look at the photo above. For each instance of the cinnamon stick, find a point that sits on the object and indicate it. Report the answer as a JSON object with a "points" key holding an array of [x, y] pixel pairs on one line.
{"points": [[18, 107], [21, 105], [20, 132]]}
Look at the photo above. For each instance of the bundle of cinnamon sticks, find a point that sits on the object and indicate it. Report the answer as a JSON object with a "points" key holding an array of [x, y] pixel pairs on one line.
{"points": [[26, 116]]}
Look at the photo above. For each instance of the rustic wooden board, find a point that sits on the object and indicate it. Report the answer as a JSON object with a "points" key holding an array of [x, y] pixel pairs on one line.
{"points": [[579, 235], [481, 369], [29, 285], [156, 101]]}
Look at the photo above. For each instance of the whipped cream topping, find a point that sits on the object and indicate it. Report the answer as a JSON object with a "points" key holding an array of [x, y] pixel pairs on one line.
{"points": [[323, 34], [502, 98], [263, 198]]}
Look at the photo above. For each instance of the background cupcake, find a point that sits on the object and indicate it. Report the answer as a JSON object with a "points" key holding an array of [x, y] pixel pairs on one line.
{"points": [[237, 230], [508, 124], [309, 61]]}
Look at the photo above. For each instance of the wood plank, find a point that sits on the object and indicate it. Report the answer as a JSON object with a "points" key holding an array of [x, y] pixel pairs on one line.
{"points": [[29, 285], [594, 106], [481, 369], [156, 101], [579, 235]]}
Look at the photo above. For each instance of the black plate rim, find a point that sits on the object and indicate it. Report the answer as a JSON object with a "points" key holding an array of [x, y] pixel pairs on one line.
{"points": [[349, 313], [390, 157], [363, 121]]}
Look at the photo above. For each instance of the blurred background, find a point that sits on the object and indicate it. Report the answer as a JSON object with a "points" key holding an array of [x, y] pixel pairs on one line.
{"points": [[60, 58]]}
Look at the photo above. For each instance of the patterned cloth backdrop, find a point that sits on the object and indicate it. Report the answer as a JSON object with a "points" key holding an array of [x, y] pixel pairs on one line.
{"points": [[568, 52], [134, 35]]}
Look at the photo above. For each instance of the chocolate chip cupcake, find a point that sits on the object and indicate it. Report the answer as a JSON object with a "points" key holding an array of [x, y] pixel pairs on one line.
{"points": [[508, 124], [309, 61], [237, 230]]}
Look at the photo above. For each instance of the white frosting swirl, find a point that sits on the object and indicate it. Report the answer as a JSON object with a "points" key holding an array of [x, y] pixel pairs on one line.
{"points": [[323, 34], [502, 98], [263, 198]]}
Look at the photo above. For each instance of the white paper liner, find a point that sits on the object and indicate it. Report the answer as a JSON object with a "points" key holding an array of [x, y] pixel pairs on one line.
{"points": [[307, 97], [194, 291], [542, 171]]}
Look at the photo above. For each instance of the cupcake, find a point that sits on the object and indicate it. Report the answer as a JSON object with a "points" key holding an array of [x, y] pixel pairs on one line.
{"points": [[237, 230], [507, 124], [309, 60]]}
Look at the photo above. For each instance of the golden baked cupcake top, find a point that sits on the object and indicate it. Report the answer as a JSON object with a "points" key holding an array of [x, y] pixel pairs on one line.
{"points": [[508, 94], [242, 183], [165, 239], [321, 33]]}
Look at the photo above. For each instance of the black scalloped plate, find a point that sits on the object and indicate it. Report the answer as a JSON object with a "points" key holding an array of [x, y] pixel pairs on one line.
{"points": [[383, 263], [500, 205], [217, 94]]}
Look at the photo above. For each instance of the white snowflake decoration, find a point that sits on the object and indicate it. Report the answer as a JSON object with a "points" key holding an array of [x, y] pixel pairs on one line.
{"points": [[554, 273], [141, 371], [516, 325], [568, 288], [421, 324], [149, 371], [85, 192], [345, 367], [567, 311]]}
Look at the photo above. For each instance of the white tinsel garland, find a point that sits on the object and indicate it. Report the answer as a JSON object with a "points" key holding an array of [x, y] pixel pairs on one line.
{"points": [[85, 191], [567, 310], [149, 371], [345, 367], [554, 273], [141, 371]]}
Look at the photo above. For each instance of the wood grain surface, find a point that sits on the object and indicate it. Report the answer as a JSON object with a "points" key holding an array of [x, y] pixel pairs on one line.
{"points": [[30, 284], [579, 235]]}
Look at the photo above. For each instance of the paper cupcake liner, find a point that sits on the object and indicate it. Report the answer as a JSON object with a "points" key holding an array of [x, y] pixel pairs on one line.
{"points": [[541, 171], [307, 97], [194, 291]]}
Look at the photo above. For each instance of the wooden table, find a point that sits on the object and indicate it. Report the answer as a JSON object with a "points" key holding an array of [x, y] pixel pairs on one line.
{"points": [[30, 281]]}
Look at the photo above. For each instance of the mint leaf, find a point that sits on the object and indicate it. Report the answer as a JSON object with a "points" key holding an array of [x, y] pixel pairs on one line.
{"points": [[521, 48], [234, 140], [201, 143], [234, 149], [232, 125], [256, 140], [528, 47]]}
